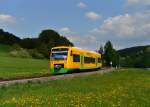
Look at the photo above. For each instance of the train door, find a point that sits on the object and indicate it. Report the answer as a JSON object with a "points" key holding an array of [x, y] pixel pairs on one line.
{"points": [[81, 61], [96, 61]]}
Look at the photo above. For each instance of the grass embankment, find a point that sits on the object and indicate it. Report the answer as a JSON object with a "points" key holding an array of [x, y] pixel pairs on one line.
{"points": [[11, 67], [127, 88]]}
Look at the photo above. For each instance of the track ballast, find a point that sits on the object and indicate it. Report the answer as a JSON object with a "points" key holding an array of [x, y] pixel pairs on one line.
{"points": [[53, 77]]}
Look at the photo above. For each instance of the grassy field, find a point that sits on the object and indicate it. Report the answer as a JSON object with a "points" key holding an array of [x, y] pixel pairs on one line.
{"points": [[127, 88], [11, 67], [4, 49]]}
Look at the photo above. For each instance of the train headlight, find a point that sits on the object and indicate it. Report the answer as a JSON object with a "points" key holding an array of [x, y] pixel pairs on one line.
{"points": [[58, 66]]}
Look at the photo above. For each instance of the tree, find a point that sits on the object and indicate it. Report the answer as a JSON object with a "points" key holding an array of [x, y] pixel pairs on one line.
{"points": [[8, 38], [29, 43], [49, 35], [110, 55], [101, 50], [46, 40], [49, 39], [43, 49], [115, 58], [63, 41], [52, 36]]}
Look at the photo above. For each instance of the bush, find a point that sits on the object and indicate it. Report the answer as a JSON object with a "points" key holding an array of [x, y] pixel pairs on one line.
{"points": [[35, 54], [24, 53], [20, 53], [15, 47]]}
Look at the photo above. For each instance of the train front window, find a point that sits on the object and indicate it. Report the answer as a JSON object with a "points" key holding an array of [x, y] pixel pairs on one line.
{"points": [[59, 54]]}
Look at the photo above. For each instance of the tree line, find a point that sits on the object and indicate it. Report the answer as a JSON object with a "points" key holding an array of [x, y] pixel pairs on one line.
{"points": [[36, 47], [40, 48], [134, 57]]}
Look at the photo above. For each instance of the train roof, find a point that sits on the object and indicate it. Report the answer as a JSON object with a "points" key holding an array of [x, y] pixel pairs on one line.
{"points": [[85, 50], [75, 48]]}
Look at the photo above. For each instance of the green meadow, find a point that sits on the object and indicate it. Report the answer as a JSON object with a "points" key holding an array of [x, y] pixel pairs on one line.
{"points": [[122, 88], [15, 67]]}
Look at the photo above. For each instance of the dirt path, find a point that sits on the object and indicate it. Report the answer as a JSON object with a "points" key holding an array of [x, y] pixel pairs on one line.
{"points": [[55, 77]]}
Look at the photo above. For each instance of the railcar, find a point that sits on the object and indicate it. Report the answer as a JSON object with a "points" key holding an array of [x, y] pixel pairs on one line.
{"points": [[65, 59]]}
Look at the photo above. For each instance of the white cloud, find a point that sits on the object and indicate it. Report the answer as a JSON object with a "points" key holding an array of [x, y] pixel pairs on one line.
{"points": [[66, 30], [84, 41], [121, 25], [126, 26], [81, 5], [125, 30], [5, 18], [135, 2], [93, 16]]}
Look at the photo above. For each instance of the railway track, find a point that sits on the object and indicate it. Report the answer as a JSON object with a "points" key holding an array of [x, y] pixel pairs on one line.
{"points": [[53, 77]]}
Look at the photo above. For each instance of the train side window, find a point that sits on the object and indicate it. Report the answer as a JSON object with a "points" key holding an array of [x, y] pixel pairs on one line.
{"points": [[76, 58], [89, 60]]}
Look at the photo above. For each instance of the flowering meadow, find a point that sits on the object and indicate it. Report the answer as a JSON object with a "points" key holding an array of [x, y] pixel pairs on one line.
{"points": [[121, 88]]}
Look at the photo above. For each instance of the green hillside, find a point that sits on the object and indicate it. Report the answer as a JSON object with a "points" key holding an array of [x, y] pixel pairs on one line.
{"points": [[15, 67], [135, 57], [22, 67], [132, 50]]}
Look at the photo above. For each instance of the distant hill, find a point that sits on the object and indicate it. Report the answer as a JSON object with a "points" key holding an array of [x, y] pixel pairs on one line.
{"points": [[8, 38], [138, 56], [132, 50]]}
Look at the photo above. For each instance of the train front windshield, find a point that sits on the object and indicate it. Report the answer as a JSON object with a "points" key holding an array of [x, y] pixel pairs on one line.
{"points": [[59, 54]]}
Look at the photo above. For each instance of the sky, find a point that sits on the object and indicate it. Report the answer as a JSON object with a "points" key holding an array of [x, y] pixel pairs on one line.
{"points": [[87, 23]]}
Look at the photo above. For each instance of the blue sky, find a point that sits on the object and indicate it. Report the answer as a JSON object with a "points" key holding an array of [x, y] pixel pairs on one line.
{"points": [[87, 23]]}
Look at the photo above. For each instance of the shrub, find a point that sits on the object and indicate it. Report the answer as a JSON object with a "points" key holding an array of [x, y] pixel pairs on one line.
{"points": [[35, 54], [16, 47], [20, 53]]}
